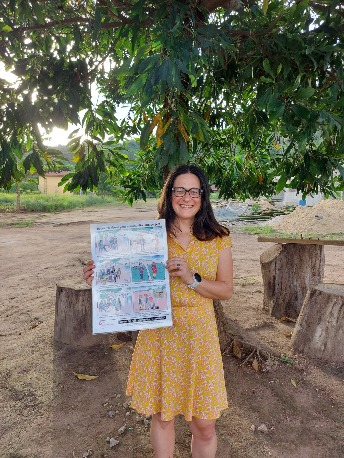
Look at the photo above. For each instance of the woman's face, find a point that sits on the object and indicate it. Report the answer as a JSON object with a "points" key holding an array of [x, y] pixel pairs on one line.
{"points": [[186, 207]]}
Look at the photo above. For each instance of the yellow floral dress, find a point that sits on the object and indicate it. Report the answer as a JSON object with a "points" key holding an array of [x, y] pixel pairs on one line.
{"points": [[178, 370]]}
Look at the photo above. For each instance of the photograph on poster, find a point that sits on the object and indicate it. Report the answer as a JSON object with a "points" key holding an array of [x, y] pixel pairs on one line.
{"points": [[150, 268], [146, 299], [123, 240], [111, 242], [113, 271], [114, 301], [146, 240]]}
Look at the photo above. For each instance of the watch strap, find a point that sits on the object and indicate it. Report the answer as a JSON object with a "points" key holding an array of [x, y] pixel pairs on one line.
{"points": [[196, 282]]}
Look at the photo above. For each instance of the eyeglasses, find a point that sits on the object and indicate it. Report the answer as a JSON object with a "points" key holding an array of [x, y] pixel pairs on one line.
{"points": [[193, 192]]}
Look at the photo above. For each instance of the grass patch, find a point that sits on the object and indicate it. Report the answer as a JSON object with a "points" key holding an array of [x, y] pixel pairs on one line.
{"points": [[214, 196], [259, 230], [248, 281], [333, 236], [20, 224], [268, 231], [285, 359], [52, 203], [256, 207]]}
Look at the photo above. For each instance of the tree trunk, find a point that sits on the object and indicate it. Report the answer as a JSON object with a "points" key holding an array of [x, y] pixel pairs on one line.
{"points": [[222, 325], [288, 271], [18, 196], [73, 317], [319, 331]]}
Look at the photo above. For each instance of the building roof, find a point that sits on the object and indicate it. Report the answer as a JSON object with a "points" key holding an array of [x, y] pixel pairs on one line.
{"points": [[57, 174]]}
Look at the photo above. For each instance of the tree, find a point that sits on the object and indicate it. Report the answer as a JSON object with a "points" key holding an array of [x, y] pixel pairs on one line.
{"points": [[26, 164], [250, 90]]}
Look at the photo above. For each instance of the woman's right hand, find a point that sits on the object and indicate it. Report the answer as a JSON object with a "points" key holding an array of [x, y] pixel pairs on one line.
{"points": [[88, 272]]}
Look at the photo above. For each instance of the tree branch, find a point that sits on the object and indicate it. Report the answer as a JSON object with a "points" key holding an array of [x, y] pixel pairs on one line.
{"points": [[209, 5], [75, 20], [212, 5], [325, 8], [52, 24]]}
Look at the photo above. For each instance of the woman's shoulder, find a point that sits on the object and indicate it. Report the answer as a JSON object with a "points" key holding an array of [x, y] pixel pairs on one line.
{"points": [[218, 243], [223, 242]]}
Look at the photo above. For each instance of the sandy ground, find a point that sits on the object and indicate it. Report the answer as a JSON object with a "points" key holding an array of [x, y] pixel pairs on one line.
{"points": [[47, 413]]}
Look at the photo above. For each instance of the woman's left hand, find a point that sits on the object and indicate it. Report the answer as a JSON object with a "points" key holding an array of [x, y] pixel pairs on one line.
{"points": [[88, 272], [178, 267]]}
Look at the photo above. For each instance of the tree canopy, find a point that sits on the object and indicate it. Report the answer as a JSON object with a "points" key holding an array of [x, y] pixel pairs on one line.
{"points": [[250, 90]]}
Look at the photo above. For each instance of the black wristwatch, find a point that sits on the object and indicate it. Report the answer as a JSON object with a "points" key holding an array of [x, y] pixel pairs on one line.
{"points": [[197, 281]]}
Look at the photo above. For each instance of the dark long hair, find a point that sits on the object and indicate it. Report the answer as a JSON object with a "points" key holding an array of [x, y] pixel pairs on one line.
{"points": [[205, 226]]}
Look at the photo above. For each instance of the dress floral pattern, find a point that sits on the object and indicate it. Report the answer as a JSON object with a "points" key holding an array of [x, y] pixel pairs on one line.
{"points": [[178, 370]]}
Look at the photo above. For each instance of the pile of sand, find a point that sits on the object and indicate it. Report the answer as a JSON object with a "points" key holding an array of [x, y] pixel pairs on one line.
{"points": [[326, 217]]}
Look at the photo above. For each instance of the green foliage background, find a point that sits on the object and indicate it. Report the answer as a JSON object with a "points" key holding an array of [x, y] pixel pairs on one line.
{"points": [[53, 203], [254, 96]]}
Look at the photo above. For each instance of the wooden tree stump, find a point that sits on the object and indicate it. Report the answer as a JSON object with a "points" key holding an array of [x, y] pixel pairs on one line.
{"points": [[222, 325], [319, 331], [73, 317], [288, 270]]}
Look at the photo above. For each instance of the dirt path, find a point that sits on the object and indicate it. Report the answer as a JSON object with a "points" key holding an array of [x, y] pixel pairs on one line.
{"points": [[47, 413]]}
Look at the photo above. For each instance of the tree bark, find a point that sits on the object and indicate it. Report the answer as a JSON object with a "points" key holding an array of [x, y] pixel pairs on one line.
{"points": [[222, 325], [73, 317], [288, 270], [18, 196], [319, 331]]}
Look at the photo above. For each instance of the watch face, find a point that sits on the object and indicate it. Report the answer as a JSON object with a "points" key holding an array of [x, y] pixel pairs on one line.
{"points": [[198, 277]]}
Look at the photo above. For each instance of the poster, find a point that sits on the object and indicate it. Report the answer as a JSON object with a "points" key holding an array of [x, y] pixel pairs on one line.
{"points": [[130, 289]]}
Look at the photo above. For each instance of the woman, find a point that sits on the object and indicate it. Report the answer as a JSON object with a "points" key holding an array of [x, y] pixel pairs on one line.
{"points": [[178, 370]]}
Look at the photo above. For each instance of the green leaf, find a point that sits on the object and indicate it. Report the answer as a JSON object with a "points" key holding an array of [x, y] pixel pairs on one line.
{"points": [[7, 28], [340, 102], [97, 22], [165, 71], [144, 138], [275, 103], [266, 80], [136, 87], [299, 9], [263, 99], [183, 152], [341, 170], [277, 113], [267, 68], [281, 183], [74, 144], [298, 80], [39, 12], [331, 119], [300, 111], [331, 48], [304, 93]]}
